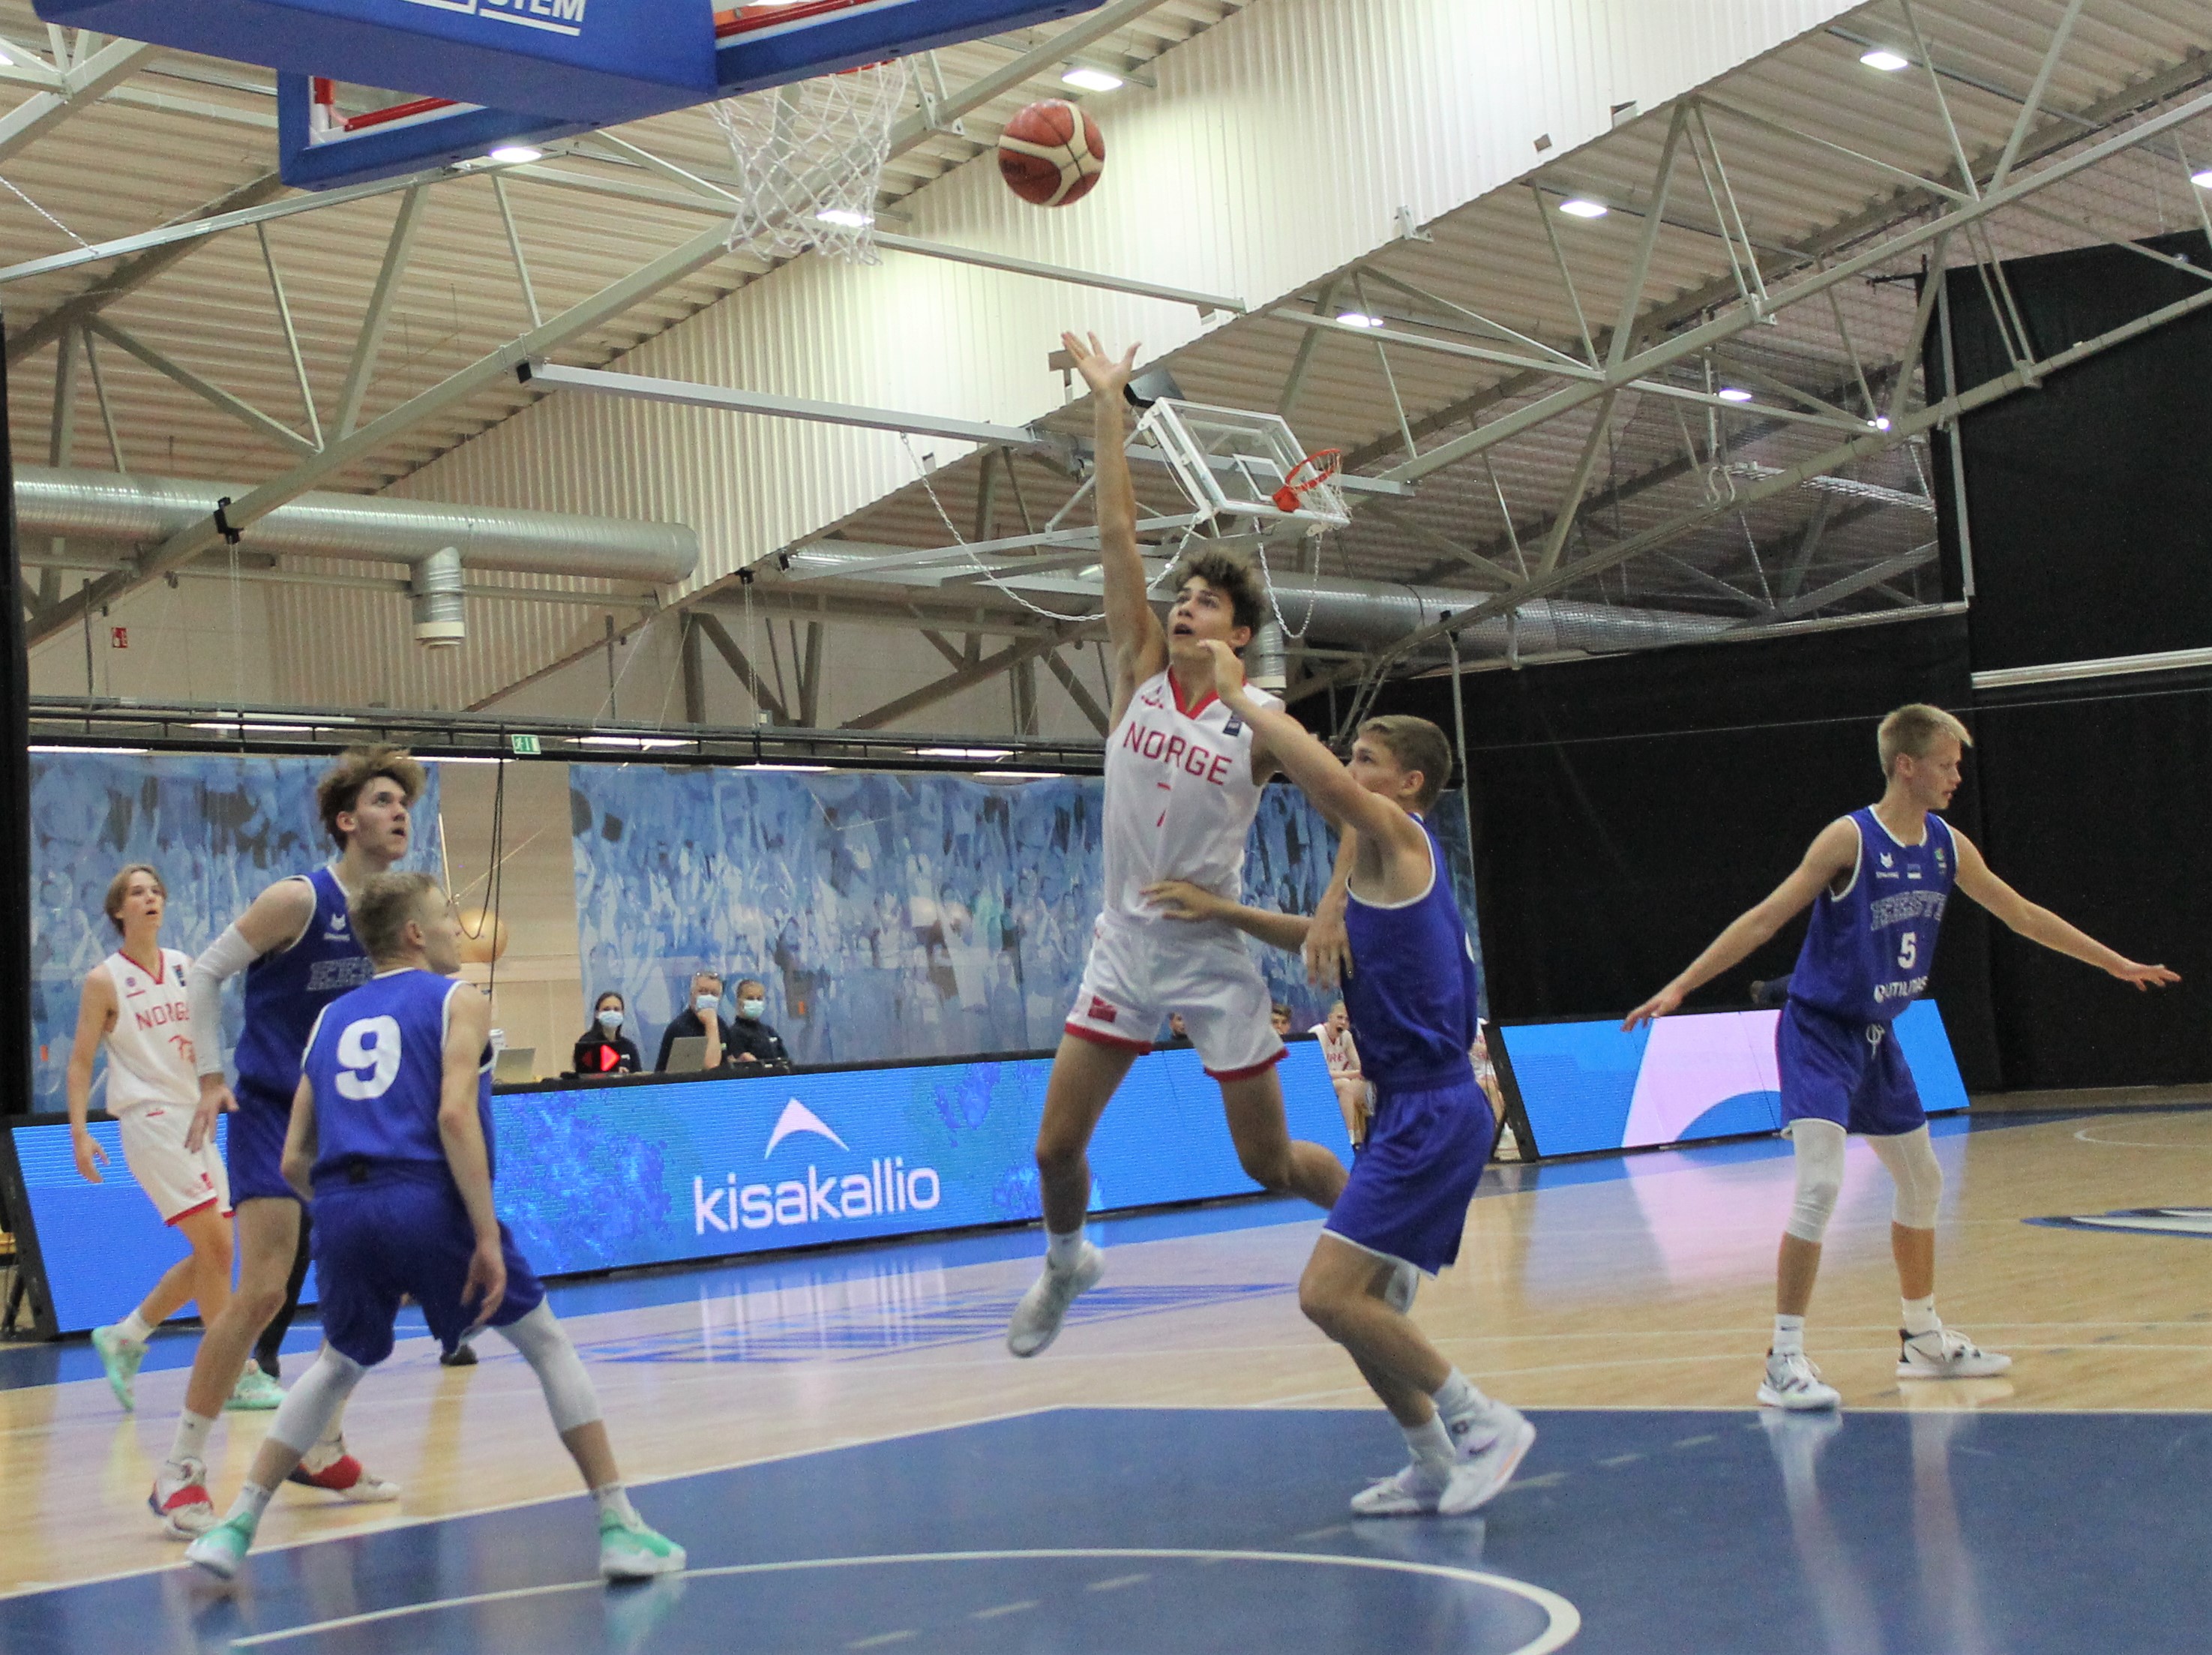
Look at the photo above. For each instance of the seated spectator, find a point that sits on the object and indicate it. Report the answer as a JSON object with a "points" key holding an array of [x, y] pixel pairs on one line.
{"points": [[604, 1049], [702, 1018], [1353, 1095], [1280, 1017], [751, 1040], [1177, 1035]]}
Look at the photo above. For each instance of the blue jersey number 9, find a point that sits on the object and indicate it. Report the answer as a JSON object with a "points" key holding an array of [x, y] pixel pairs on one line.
{"points": [[370, 1049]]}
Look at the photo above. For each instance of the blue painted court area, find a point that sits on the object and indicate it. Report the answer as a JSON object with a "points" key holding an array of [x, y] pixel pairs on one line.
{"points": [[1083, 1531]]}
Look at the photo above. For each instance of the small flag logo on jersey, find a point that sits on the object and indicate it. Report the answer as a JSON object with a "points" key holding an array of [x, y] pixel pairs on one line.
{"points": [[1100, 1012]]}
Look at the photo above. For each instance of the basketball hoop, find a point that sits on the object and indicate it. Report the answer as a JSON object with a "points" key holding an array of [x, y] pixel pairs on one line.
{"points": [[1309, 474], [810, 159]]}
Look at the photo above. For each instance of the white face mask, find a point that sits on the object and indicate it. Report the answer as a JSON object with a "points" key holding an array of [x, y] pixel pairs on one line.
{"points": [[703, 1004], [751, 1008], [610, 1020]]}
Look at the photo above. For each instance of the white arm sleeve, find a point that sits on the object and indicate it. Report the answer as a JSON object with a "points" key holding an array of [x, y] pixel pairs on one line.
{"points": [[227, 956]]}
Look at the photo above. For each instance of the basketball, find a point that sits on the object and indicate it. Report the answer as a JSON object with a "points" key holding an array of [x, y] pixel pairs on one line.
{"points": [[1051, 153], [484, 938]]}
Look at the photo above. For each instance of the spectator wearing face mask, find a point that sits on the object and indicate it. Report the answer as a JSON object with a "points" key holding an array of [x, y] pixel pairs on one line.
{"points": [[703, 1018], [604, 1049], [751, 1040]]}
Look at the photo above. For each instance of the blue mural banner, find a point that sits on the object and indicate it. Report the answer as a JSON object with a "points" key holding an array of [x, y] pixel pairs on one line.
{"points": [[890, 917], [219, 826], [615, 1176]]}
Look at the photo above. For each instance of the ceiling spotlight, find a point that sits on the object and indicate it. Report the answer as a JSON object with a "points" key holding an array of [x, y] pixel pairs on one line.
{"points": [[515, 154], [1582, 207], [845, 218], [2203, 180], [1880, 422], [1358, 319], [1733, 394], [6, 62], [1090, 79], [1883, 58]]}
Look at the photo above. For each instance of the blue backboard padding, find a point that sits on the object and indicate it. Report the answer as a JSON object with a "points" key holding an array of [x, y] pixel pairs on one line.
{"points": [[621, 1177], [773, 56], [598, 61], [387, 152]]}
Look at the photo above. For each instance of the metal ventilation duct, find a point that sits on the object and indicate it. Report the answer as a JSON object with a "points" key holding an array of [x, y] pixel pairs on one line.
{"points": [[109, 506], [1334, 609]]}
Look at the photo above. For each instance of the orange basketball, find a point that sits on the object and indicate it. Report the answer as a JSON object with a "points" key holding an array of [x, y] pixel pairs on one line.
{"points": [[1051, 153]]}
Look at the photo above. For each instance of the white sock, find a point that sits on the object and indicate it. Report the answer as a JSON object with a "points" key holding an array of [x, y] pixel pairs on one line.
{"points": [[614, 1502], [1457, 1399], [1789, 1336], [191, 1440], [1920, 1317], [252, 1500], [132, 1329], [1432, 1447], [1063, 1252]]}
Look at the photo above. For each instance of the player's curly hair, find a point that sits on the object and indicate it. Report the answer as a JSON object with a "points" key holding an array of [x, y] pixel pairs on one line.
{"points": [[1229, 574], [1417, 744], [339, 790], [382, 910]]}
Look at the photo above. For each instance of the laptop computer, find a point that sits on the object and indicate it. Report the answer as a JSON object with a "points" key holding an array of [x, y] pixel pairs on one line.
{"points": [[514, 1063], [687, 1054]]}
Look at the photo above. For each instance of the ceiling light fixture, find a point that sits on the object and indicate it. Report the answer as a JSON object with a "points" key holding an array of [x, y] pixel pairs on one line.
{"points": [[1883, 58], [516, 155], [1090, 79], [1358, 319], [963, 752], [1583, 207], [1733, 394], [795, 770], [1880, 422], [845, 218], [112, 752], [2203, 180]]}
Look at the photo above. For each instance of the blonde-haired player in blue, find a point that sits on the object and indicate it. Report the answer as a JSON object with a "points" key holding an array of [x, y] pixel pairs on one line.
{"points": [[1411, 992]]}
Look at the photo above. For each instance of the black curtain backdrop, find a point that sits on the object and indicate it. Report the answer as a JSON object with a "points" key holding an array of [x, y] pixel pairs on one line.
{"points": [[15, 794], [1626, 809], [2088, 501]]}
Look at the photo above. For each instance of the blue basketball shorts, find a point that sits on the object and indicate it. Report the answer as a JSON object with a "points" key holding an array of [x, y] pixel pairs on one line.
{"points": [[1407, 1196], [1852, 1073], [255, 1149], [400, 1232]]}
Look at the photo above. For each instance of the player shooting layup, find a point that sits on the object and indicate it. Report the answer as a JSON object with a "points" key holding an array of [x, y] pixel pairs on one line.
{"points": [[1183, 778], [1877, 881]]}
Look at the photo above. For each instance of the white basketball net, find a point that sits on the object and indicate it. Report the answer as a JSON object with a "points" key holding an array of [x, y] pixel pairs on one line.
{"points": [[810, 157]]}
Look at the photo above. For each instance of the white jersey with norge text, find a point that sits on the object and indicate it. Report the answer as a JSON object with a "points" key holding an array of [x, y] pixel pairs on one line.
{"points": [[1180, 797], [149, 1050]]}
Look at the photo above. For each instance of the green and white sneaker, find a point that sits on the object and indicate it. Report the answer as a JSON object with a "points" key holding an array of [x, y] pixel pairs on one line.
{"points": [[120, 1358], [255, 1392], [634, 1552], [223, 1547]]}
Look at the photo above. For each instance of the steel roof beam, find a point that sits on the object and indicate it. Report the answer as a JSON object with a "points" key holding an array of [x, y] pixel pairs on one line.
{"points": [[81, 87]]}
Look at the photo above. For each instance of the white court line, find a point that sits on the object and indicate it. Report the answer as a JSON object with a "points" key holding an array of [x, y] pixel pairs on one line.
{"points": [[1565, 1620], [2087, 1135], [545, 1499]]}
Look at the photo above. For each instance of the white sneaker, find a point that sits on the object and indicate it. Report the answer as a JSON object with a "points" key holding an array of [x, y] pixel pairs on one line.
{"points": [[1946, 1353], [1037, 1319], [1481, 1473], [1792, 1382], [181, 1500], [1405, 1282], [1412, 1493]]}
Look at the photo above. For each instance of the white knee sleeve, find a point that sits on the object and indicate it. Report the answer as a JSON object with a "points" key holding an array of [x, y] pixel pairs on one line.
{"points": [[1912, 1165], [570, 1396], [315, 1401], [1820, 1146]]}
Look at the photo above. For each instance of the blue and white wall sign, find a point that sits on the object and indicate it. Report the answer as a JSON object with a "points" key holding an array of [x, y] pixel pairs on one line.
{"points": [[616, 1176], [1589, 1087]]}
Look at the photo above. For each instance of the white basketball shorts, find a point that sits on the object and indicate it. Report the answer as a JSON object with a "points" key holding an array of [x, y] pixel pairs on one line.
{"points": [[1139, 973], [175, 1180]]}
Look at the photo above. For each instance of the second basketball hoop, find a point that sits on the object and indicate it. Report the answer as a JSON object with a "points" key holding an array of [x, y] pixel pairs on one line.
{"points": [[1237, 463]]}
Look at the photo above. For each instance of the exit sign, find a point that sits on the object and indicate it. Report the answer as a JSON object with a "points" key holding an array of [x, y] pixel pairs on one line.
{"points": [[524, 746]]}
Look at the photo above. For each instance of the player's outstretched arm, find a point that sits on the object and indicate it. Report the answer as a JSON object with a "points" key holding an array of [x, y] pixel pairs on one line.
{"points": [[95, 1016], [1179, 899], [300, 1139], [1329, 945], [460, 1129], [273, 920], [1141, 646], [1836, 849], [2039, 924]]}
